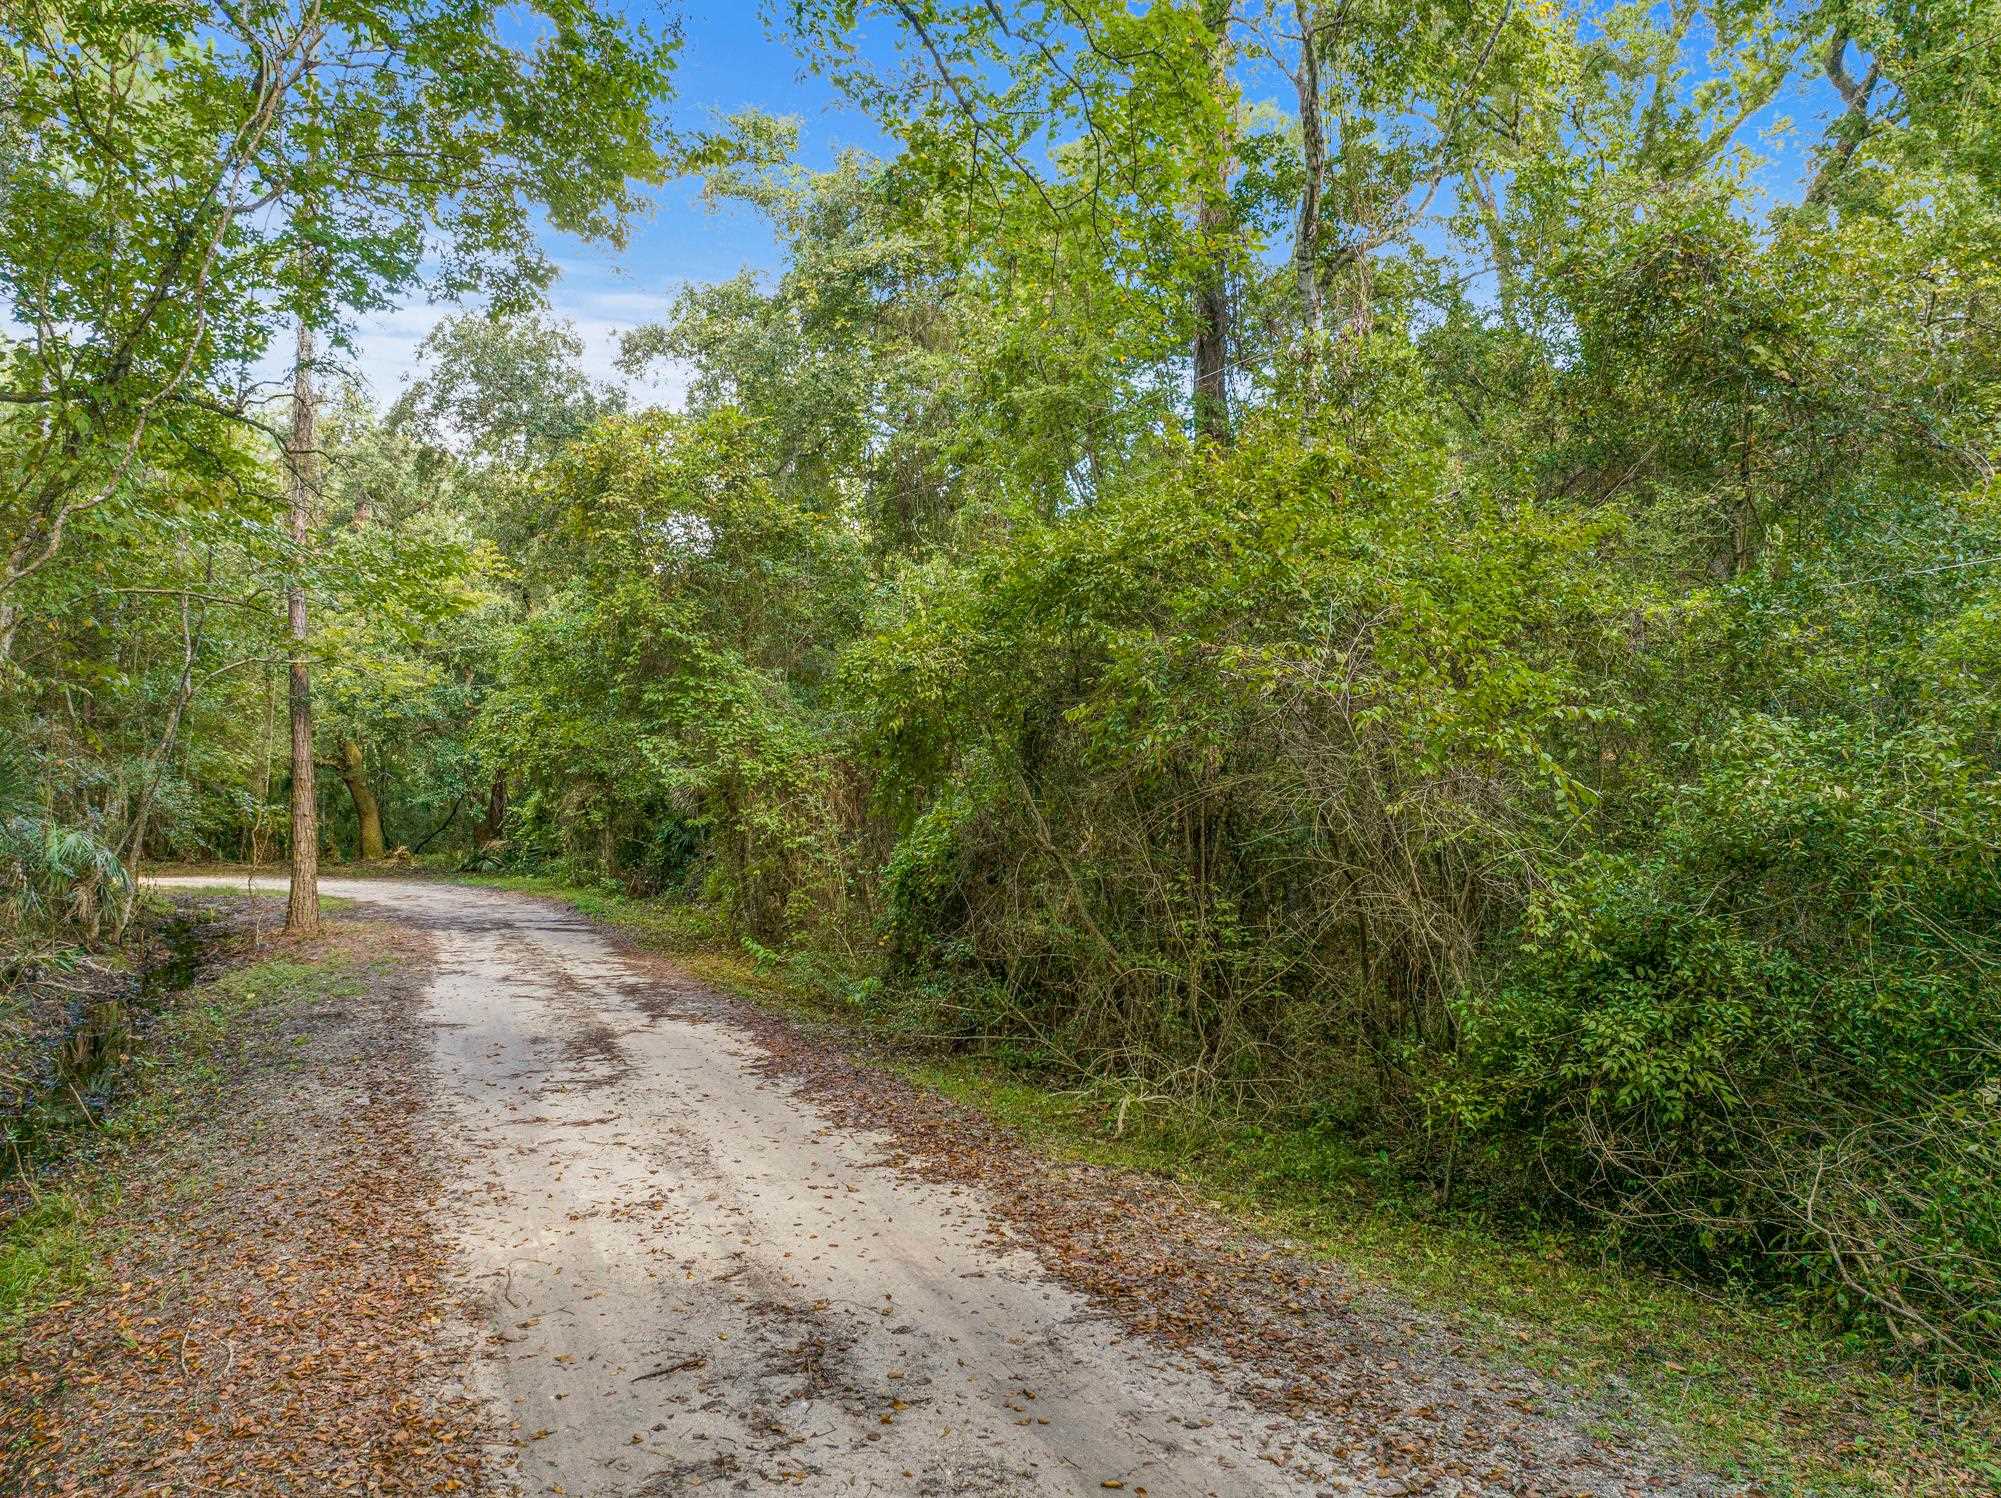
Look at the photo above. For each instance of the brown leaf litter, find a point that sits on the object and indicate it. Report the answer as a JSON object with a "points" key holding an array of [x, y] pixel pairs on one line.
{"points": [[272, 1316], [1417, 1409]]}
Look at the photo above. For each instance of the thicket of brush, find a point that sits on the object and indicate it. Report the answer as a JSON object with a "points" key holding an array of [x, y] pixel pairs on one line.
{"points": [[1524, 694]]}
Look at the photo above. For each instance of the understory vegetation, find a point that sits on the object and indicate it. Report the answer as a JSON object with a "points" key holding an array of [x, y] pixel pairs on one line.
{"points": [[53, 1236], [1749, 1382], [1426, 579]]}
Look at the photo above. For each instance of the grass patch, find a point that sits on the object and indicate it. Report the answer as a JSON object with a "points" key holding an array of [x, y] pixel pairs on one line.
{"points": [[221, 891], [58, 1233], [1757, 1390], [694, 937], [663, 926], [46, 1252]]}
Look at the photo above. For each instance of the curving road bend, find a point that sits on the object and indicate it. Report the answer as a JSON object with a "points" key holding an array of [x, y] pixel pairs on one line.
{"points": [[690, 1277]]}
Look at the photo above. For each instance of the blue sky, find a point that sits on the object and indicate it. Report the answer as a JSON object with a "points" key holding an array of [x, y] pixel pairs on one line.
{"points": [[730, 61]]}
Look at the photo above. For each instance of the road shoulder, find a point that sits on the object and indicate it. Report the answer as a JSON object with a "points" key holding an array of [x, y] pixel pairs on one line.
{"points": [[254, 1294], [1356, 1387], [1696, 1380]]}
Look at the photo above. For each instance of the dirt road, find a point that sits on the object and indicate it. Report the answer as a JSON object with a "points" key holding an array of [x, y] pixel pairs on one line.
{"points": [[693, 1274]]}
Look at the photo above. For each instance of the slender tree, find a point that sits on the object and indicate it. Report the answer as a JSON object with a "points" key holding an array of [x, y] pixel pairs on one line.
{"points": [[144, 176], [1213, 225], [1313, 176], [302, 907]]}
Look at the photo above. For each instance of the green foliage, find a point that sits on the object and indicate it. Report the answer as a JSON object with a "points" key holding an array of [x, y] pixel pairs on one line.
{"points": [[1770, 1036], [44, 1251], [1247, 732], [1550, 745], [668, 684], [54, 879], [1503, 686], [140, 252]]}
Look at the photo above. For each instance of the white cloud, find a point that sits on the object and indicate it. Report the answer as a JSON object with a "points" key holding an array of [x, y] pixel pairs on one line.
{"points": [[665, 382], [384, 351], [646, 306], [384, 355], [385, 347]]}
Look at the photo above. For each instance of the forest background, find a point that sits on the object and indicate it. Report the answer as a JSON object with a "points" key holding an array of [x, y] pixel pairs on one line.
{"points": [[1421, 576]]}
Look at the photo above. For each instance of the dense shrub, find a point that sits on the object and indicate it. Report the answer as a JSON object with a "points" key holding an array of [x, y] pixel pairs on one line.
{"points": [[1329, 780], [1770, 1040], [1229, 775]]}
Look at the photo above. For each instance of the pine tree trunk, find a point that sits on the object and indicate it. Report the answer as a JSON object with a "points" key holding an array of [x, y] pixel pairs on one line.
{"points": [[302, 910], [1313, 165]]}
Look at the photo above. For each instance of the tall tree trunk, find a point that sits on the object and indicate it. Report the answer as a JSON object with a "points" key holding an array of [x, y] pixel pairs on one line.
{"points": [[367, 810], [495, 824], [1309, 268], [1313, 163], [1848, 131], [1212, 223], [302, 910], [1507, 279]]}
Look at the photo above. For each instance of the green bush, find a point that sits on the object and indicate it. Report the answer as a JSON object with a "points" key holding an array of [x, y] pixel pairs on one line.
{"points": [[1770, 1043]]}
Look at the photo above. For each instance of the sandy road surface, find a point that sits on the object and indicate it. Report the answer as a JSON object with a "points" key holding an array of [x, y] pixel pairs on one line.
{"points": [[692, 1278]]}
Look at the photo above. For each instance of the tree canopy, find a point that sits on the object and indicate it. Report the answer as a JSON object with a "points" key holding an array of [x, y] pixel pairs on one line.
{"points": [[1429, 573]]}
